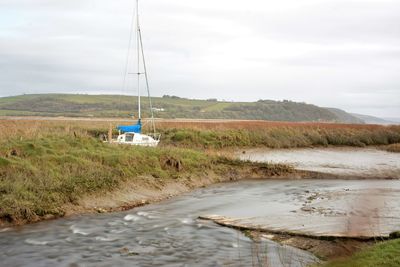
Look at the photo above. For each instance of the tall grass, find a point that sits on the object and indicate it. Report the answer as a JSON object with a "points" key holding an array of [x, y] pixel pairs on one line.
{"points": [[220, 134], [280, 136]]}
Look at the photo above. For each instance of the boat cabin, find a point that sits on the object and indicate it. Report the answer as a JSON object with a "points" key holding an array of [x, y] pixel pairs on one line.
{"points": [[131, 138]]}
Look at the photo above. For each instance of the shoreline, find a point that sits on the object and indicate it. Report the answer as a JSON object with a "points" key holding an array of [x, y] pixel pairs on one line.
{"points": [[148, 191]]}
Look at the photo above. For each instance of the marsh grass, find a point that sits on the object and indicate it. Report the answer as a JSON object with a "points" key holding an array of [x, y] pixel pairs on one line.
{"points": [[281, 137], [220, 134], [38, 176]]}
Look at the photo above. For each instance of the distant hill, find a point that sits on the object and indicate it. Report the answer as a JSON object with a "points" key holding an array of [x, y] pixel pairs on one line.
{"points": [[76, 105], [345, 117], [373, 120], [392, 119]]}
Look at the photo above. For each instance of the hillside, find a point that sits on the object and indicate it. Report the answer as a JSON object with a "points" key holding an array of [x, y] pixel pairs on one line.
{"points": [[166, 107], [373, 120], [345, 117]]}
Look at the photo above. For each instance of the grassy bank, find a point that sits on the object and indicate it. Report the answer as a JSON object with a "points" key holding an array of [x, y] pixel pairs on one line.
{"points": [[385, 254], [39, 176]]}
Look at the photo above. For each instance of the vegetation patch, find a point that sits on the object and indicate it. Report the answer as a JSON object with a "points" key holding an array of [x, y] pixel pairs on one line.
{"points": [[384, 254], [4, 162], [280, 137]]}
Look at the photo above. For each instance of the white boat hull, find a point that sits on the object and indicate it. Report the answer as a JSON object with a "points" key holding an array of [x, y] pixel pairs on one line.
{"points": [[136, 139]]}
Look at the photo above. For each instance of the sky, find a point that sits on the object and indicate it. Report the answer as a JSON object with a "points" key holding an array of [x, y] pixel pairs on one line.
{"points": [[334, 53]]}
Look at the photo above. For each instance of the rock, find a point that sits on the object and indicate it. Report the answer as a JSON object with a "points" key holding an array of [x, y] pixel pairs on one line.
{"points": [[124, 250], [127, 252], [14, 153], [49, 216], [101, 210], [306, 209]]}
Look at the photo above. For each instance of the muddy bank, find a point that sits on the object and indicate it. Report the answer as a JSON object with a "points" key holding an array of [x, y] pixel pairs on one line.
{"points": [[330, 218], [325, 248], [344, 162], [149, 189], [322, 247]]}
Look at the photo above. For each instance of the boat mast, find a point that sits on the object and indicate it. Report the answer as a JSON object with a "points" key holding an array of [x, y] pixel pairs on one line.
{"points": [[138, 56], [140, 53]]}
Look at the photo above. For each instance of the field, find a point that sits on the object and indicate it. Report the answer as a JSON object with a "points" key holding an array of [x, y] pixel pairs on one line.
{"points": [[167, 107]]}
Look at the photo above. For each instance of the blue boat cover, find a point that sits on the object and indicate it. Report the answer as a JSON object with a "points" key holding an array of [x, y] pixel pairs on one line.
{"points": [[136, 128]]}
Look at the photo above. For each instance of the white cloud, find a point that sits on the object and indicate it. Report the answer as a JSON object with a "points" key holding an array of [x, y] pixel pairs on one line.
{"points": [[337, 53]]}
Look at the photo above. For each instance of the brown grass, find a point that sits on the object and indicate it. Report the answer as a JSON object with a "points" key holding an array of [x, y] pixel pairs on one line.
{"points": [[216, 133]]}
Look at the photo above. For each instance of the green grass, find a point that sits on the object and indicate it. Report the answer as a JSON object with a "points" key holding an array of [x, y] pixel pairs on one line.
{"points": [[218, 106], [38, 176], [384, 254]]}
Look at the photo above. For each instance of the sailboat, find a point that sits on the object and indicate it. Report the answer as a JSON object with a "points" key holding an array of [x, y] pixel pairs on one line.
{"points": [[132, 134]]}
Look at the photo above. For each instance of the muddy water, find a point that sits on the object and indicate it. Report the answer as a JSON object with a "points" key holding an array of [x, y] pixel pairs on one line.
{"points": [[169, 233], [351, 162], [332, 208], [329, 208], [164, 234]]}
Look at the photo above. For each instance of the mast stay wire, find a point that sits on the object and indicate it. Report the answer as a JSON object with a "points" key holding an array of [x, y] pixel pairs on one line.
{"points": [[147, 82], [128, 55]]}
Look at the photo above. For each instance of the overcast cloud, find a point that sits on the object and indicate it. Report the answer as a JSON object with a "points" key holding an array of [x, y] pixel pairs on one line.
{"points": [[338, 53]]}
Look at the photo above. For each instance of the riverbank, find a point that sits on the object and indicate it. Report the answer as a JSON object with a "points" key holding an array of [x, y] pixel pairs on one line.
{"points": [[315, 215], [335, 251], [57, 175]]}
